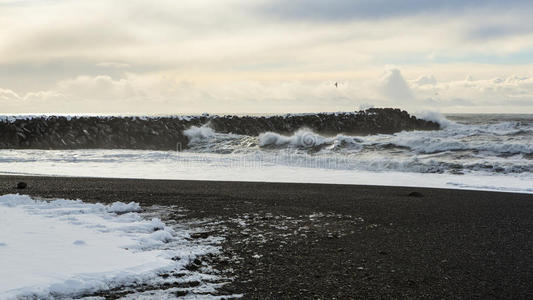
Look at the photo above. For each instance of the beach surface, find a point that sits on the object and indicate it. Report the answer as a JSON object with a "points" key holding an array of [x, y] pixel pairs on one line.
{"points": [[323, 241]]}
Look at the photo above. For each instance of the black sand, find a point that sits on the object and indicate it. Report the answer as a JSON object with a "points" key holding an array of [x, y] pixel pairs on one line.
{"points": [[338, 241]]}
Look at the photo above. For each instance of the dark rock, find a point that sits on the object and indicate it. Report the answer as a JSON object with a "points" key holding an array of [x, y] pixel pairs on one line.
{"points": [[200, 235], [181, 293], [415, 194], [22, 185], [167, 133]]}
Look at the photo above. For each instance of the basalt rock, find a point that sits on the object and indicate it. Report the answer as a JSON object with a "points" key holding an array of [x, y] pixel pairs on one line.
{"points": [[166, 133], [371, 121], [415, 194]]}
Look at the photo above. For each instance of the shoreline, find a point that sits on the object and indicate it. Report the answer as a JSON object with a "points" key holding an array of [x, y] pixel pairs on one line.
{"points": [[339, 241], [451, 186]]}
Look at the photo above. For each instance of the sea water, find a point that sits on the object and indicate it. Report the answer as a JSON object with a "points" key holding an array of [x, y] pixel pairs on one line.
{"points": [[471, 151]]}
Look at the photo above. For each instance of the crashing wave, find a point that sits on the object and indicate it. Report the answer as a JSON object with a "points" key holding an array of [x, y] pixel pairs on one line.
{"points": [[196, 133], [456, 138], [498, 139], [304, 138], [434, 116]]}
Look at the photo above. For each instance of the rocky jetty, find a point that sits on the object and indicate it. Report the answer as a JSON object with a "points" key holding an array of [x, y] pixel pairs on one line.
{"points": [[166, 133], [370, 121]]}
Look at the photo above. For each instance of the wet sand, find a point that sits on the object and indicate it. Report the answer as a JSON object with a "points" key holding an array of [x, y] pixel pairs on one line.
{"points": [[339, 241]]}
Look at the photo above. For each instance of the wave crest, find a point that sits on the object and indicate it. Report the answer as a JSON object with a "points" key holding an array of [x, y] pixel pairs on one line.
{"points": [[435, 116], [304, 138], [196, 134], [301, 138]]}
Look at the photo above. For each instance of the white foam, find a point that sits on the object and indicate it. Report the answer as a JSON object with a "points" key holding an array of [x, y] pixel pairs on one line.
{"points": [[301, 138], [256, 166], [196, 134], [434, 116], [304, 138], [459, 137]]}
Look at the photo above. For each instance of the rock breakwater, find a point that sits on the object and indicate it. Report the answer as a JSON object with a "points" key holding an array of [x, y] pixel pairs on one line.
{"points": [[166, 133]]}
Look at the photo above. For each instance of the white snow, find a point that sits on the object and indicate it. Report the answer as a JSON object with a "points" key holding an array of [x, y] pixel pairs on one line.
{"points": [[66, 248], [120, 207]]}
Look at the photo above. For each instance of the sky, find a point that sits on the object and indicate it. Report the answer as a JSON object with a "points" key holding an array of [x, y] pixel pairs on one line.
{"points": [[265, 56]]}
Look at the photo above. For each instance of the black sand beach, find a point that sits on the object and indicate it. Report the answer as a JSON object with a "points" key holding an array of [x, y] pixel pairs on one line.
{"points": [[336, 241]]}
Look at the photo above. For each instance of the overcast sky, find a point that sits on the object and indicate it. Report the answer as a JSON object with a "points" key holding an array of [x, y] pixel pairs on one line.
{"points": [[265, 56]]}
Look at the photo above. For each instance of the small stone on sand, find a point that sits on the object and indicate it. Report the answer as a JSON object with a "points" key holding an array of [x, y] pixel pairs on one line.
{"points": [[415, 194]]}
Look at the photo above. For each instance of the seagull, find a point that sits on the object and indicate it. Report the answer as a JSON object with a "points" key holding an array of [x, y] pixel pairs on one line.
{"points": [[336, 84]]}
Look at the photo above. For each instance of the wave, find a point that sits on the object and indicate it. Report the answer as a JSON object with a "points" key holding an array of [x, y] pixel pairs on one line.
{"points": [[507, 138], [196, 133], [430, 145], [363, 160], [435, 116], [302, 138], [501, 148], [417, 142]]}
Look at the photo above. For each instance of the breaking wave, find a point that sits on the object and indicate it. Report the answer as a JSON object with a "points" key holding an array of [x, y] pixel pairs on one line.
{"points": [[196, 133], [305, 138], [436, 117], [503, 147]]}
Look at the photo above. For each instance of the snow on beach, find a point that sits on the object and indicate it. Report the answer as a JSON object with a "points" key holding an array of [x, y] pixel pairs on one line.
{"points": [[68, 248]]}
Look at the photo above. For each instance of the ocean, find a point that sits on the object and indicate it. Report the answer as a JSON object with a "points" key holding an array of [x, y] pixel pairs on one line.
{"points": [[471, 151]]}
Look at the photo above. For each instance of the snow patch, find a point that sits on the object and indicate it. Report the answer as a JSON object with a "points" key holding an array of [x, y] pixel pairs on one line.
{"points": [[120, 207], [68, 248]]}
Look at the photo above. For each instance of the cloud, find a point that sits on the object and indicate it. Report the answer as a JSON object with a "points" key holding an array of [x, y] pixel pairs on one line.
{"points": [[510, 94], [425, 80], [8, 95], [153, 93], [262, 56], [116, 65], [341, 10], [394, 87], [100, 87]]}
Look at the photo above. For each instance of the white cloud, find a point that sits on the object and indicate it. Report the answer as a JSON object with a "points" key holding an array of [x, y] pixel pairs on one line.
{"points": [[117, 65], [510, 94], [100, 88], [425, 80], [394, 87], [207, 55], [166, 94], [8, 95]]}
